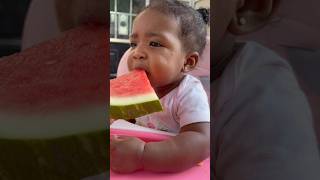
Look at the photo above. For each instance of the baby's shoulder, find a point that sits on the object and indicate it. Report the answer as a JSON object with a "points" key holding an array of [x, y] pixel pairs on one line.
{"points": [[189, 90], [189, 84], [189, 87]]}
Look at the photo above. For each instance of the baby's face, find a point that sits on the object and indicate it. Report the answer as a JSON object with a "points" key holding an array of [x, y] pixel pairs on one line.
{"points": [[156, 48]]}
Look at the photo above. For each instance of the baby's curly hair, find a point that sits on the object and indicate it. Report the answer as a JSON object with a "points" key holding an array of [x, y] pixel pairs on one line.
{"points": [[193, 30]]}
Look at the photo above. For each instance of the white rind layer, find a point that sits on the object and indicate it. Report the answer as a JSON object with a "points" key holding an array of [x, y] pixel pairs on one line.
{"points": [[123, 101], [48, 125]]}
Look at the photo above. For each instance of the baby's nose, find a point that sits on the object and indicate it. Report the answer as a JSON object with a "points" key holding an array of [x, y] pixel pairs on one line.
{"points": [[139, 54]]}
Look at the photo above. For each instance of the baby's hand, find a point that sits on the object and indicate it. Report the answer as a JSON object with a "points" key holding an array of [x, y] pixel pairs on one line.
{"points": [[126, 154]]}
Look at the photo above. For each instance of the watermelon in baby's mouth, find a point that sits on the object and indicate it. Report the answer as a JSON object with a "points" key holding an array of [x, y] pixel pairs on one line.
{"points": [[53, 108], [132, 96]]}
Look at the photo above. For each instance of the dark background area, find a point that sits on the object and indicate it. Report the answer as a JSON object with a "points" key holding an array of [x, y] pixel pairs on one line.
{"points": [[116, 52], [12, 15], [294, 34]]}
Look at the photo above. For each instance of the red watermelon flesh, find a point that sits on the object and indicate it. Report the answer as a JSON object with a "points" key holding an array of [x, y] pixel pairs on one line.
{"points": [[65, 72], [132, 96], [122, 86], [53, 101]]}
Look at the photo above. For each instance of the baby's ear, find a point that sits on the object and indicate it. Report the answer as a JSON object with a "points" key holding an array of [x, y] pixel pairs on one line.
{"points": [[191, 61], [252, 15]]}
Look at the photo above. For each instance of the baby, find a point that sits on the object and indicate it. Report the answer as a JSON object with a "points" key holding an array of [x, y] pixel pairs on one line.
{"points": [[166, 41]]}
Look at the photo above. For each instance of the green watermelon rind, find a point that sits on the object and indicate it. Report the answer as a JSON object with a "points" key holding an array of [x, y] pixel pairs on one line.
{"points": [[69, 144], [69, 157], [133, 111]]}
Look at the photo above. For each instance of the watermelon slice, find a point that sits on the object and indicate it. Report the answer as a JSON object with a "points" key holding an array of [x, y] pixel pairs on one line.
{"points": [[132, 96], [53, 108]]}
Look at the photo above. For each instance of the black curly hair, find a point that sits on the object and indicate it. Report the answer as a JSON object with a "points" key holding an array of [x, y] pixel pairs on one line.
{"points": [[205, 13], [193, 29]]}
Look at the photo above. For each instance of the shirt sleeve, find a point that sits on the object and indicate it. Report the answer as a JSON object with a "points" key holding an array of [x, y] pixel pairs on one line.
{"points": [[193, 103], [265, 130]]}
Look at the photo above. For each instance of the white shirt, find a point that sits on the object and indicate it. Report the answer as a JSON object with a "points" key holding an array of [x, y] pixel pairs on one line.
{"points": [[186, 104]]}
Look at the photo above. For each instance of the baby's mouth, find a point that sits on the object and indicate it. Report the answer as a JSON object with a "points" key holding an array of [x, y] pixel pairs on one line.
{"points": [[147, 72], [149, 77]]}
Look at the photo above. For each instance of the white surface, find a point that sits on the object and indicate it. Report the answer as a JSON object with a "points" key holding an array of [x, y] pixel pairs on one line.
{"points": [[52, 124], [134, 99], [125, 125]]}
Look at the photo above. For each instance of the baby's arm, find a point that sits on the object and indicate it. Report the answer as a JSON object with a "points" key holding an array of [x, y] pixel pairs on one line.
{"points": [[183, 151], [128, 154]]}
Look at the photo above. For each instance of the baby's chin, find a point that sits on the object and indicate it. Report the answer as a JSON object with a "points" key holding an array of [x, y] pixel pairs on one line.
{"points": [[157, 84]]}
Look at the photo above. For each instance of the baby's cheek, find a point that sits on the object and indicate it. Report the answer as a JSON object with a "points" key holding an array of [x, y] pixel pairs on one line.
{"points": [[160, 76], [129, 64]]}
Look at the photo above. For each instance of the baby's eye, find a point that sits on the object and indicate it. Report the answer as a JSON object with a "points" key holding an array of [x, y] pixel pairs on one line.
{"points": [[133, 45], [155, 44]]}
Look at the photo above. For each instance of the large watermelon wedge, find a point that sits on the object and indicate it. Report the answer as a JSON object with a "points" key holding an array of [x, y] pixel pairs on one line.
{"points": [[53, 100], [132, 96]]}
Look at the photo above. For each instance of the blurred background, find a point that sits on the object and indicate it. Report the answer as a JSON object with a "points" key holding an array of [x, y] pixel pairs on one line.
{"points": [[12, 16], [24, 23], [294, 35]]}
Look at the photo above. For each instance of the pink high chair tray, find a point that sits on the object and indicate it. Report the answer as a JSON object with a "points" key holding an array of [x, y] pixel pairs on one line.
{"points": [[121, 127], [199, 172]]}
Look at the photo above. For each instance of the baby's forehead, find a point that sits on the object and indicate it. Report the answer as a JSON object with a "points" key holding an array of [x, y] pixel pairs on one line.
{"points": [[153, 21], [156, 14]]}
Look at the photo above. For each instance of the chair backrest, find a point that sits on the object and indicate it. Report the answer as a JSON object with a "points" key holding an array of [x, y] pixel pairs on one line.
{"points": [[40, 23], [202, 71]]}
